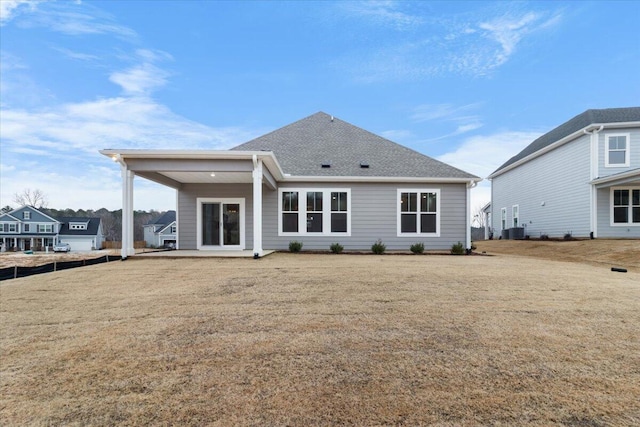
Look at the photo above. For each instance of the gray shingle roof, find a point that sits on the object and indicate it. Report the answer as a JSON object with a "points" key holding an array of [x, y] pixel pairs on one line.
{"points": [[581, 121], [92, 226], [303, 146], [165, 219]]}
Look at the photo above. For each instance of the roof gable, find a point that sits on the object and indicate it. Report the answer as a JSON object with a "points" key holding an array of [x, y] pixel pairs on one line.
{"points": [[36, 215], [93, 226], [345, 150], [581, 121]]}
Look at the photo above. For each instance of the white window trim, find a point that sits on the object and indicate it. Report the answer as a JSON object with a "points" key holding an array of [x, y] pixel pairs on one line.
{"points": [[399, 211], [26, 215], [503, 216], [622, 224], [326, 211], [515, 214], [221, 247], [627, 156], [7, 226], [53, 230]]}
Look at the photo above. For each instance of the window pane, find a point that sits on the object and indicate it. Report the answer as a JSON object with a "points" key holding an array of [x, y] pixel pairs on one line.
{"points": [[290, 222], [617, 143], [338, 222], [290, 201], [314, 223], [314, 201], [621, 215], [617, 157], [408, 223], [636, 197], [428, 202], [620, 197], [231, 223], [210, 224], [636, 215], [339, 202], [408, 202], [428, 223]]}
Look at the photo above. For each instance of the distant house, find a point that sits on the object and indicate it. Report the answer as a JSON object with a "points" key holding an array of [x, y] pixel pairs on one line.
{"points": [[161, 231], [319, 181], [581, 178], [82, 234], [28, 228]]}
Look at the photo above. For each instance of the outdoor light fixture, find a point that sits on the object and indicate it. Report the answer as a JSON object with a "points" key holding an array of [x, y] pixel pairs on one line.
{"points": [[213, 174]]}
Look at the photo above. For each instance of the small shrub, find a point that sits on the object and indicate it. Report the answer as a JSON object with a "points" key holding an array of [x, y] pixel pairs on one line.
{"points": [[544, 237], [568, 236], [378, 247], [417, 248], [457, 249], [336, 248], [295, 246]]}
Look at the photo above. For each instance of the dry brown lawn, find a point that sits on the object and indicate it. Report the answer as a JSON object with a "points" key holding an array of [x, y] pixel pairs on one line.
{"points": [[308, 340]]}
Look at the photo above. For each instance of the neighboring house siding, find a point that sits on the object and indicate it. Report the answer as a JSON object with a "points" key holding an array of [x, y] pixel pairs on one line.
{"points": [[604, 219], [374, 216], [634, 145], [149, 236], [560, 179], [187, 205]]}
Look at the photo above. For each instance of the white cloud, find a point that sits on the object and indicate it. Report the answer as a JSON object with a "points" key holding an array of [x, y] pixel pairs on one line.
{"points": [[461, 116], [481, 155], [383, 12], [140, 79], [8, 8], [474, 47]]}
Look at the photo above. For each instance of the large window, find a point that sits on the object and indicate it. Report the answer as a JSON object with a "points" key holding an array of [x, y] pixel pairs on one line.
{"points": [[324, 211], [617, 150], [9, 227], [625, 206], [419, 212], [45, 228]]}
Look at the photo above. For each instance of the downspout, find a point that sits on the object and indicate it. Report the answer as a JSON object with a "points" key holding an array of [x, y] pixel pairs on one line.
{"points": [[471, 184], [593, 172]]}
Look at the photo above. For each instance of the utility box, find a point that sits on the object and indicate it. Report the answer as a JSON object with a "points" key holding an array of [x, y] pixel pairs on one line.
{"points": [[516, 233]]}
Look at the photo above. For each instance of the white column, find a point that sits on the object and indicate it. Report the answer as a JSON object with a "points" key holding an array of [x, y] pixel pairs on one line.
{"points": [[127, 212], [468, 222], [257, 206]]}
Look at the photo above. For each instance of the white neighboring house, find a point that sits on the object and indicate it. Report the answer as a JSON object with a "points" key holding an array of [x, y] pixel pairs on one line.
{"points": [[28, 228], [581, 178], [161, 231], [82, 234]]}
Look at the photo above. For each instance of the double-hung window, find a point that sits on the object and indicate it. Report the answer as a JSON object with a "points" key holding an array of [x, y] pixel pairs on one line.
{"points": [[419, 212], [625, 206], [617, 150], [9, 227], [515, 215], [26, 215], [45, 228], [503, 218], [323, 211]]}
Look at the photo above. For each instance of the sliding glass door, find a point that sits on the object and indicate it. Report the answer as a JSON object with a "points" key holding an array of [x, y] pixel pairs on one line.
{"points": [[221, 224]]}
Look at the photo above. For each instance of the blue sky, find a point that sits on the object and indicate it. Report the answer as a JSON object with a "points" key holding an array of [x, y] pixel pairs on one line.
{"points": [[469, 83]]}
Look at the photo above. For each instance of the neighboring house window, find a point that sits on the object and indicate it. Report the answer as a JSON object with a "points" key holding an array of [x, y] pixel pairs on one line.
{"points": [[8, 227], [77, 226], [515, 215], [324, 211], [419, 212], [625, 206], [617, 150], [27, 228], [26, 215], [503, 218], [173, 229], [45, 228]]}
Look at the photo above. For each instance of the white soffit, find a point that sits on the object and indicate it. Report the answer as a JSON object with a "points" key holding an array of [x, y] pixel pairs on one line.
{"points": [[206, 178]]}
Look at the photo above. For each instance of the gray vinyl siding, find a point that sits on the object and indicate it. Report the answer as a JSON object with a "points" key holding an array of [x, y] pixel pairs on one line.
{"points": [[560, 179], [187, 205], [634, 145], [605, 229], [374, 216]]}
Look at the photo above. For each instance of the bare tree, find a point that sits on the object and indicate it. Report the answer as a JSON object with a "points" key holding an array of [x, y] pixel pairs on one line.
{"points": [[6, 209], [479, 216], [35, 198]]}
